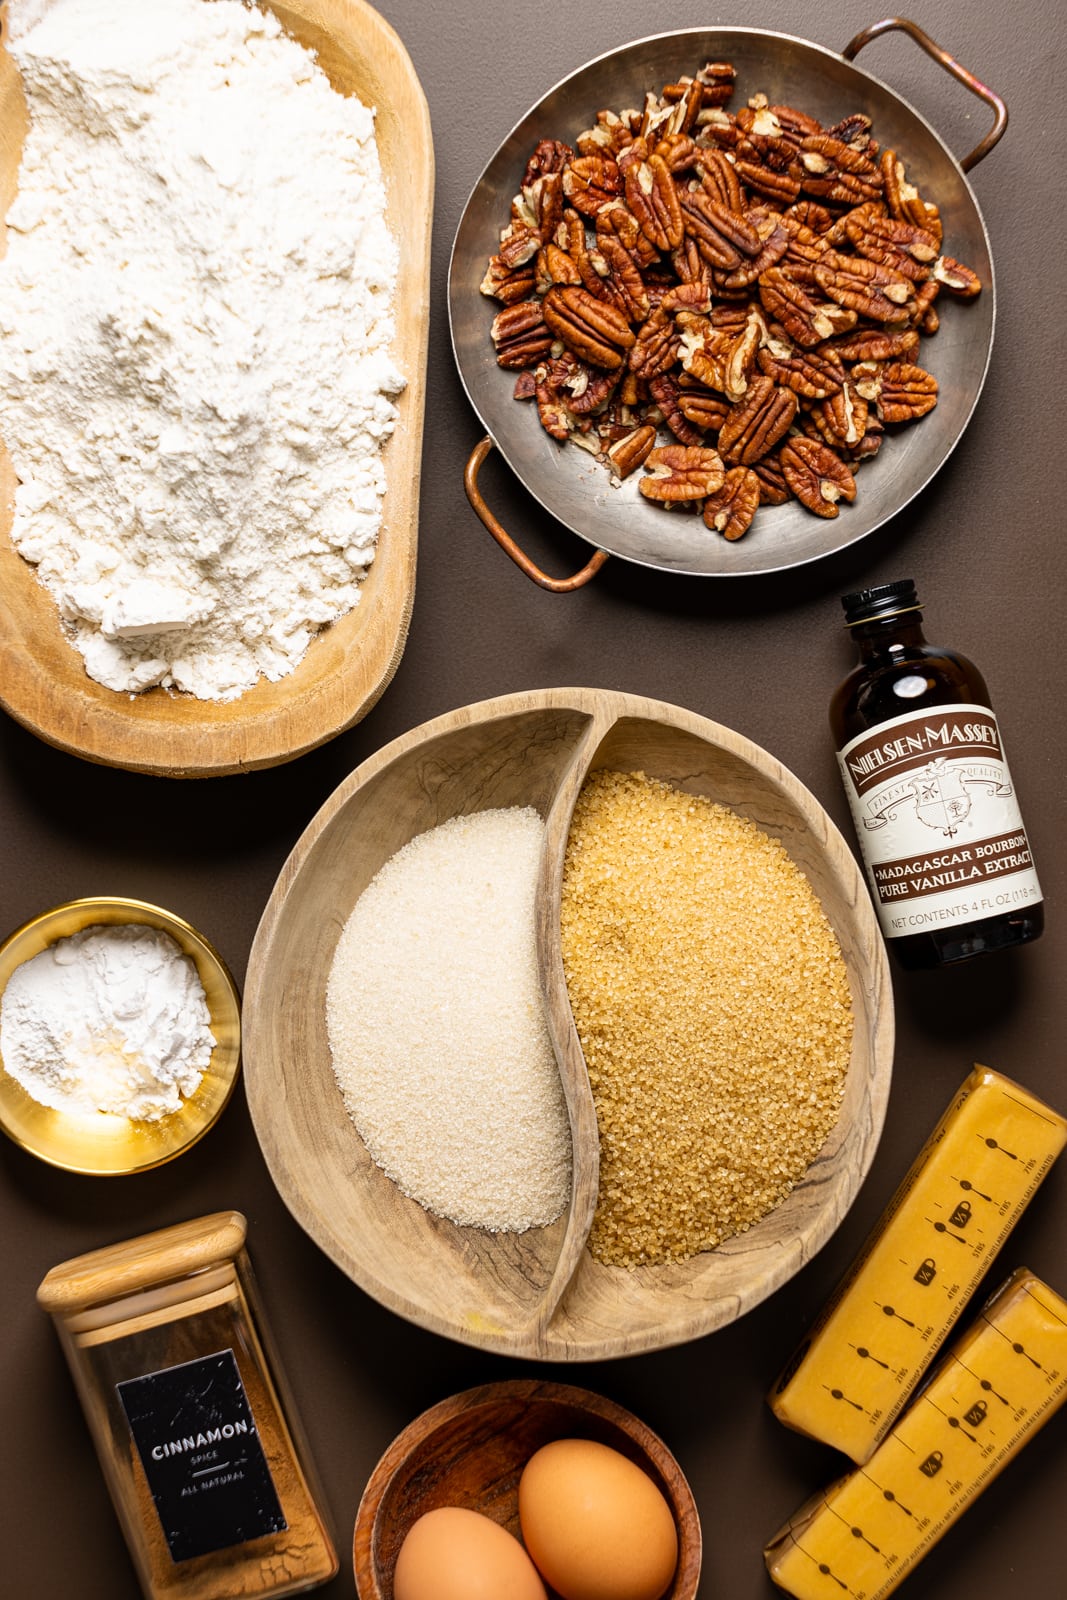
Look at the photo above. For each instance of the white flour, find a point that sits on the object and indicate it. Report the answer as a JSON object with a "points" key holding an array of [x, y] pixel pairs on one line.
{"points": [[112, 1019], [195, 319]]}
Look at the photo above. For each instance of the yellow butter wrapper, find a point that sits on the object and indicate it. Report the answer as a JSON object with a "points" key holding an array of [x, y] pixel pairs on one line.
{"points": [[997, 1386], [887, 1319]]}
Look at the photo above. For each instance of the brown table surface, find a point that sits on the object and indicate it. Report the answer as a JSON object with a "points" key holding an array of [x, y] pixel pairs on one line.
{"points": [[760, 655]]}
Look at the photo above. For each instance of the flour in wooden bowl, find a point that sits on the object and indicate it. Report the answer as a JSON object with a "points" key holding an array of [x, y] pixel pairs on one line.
{"points": [[196, 312], [437, 1031]]}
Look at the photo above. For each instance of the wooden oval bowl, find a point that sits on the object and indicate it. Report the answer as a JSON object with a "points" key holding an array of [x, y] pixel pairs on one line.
{"points": [[470, 1450], [537, 1294], [43, 682]]}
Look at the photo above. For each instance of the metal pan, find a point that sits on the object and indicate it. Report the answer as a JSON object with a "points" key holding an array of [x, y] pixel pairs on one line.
{"points": [[567, 481]]}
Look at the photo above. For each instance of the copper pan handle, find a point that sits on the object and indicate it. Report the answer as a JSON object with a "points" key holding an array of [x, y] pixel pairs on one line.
{"points": [[507, 543], [942, 57]]}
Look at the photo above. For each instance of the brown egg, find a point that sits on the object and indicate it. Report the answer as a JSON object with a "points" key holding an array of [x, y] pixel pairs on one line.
{"points": [[597, 1527], [455, 1554]]}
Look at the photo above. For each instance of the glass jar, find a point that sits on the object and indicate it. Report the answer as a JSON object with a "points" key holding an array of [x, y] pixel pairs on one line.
{"points": [[207, 1470]]}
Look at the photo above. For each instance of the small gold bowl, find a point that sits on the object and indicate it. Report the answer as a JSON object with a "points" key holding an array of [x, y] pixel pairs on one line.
{"points": [[98, 1142]]}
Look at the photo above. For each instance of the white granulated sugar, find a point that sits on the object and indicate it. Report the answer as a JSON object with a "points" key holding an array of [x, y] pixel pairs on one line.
{"points": [[112, 1019], [437, 1030], [196, 312]]}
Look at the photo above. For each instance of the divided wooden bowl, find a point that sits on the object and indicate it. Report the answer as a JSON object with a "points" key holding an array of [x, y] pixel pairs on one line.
{"points": [[537, 1294], [43, 682], [470, 1450]]}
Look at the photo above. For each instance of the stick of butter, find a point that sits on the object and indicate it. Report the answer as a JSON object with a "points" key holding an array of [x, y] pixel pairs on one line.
{"points": [[1003, 1379], [883, 1325]]}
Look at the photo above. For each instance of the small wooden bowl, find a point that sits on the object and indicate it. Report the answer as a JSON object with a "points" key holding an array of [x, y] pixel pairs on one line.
{"points": [[43, 682], [99, 1144], [537, 1294], [470, 1450]]}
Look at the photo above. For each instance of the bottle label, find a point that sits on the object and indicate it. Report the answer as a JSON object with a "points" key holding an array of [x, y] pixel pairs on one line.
{"points": [[200, 1450], [937, 820]]}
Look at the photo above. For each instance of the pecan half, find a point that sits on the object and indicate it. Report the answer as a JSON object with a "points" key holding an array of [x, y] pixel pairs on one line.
{"points": [[624, 283], [781, 186], [739, 359], [549, 155], [811, 373], [656, 347], [590, 182], [731, 508], [583, 389], [592, 328], [757, 422], [874, 344], [652, 197], [804, 246], [687, 96], [925, 316], [903, 198], [854, 129], [539, 205], [554, 266], [520, 335], [617, 221], [842, 417], [702, 407], [716, 79], [817, 476], [833, 170], [810, 214], [957, 279], [865, 287], [773, 489], [692, 297], [678, 151], [551, 409], [666, 392], [629, 452], [803, 319], [714, 228], [906, 392], [718, 178], [507, 284], [793, 124], [676, 473], [772, 250], [911, 249], [702, 348]]}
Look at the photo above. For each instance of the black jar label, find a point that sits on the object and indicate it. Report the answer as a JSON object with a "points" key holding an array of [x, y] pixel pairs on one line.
{"points": [[197, 1440]]}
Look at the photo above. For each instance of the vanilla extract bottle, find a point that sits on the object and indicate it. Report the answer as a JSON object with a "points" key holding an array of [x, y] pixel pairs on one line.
{"points": [[939, 827]]}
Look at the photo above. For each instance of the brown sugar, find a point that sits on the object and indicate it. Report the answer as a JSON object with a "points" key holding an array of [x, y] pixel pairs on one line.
{"points": [[712, 1006]]}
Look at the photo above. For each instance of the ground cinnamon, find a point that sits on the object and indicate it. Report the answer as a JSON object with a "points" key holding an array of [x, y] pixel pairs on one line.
{"points": [[209, 1475]]}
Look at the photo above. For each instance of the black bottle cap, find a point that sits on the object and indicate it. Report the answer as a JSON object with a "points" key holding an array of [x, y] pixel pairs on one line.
{"points": [[884, 600]]}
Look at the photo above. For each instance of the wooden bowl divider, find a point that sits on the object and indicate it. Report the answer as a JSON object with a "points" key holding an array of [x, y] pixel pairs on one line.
{"points": [[43, 682], [538, 1294]]}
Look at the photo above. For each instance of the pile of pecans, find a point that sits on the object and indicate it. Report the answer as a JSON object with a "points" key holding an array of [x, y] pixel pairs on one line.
{"points": [[752, 282]]}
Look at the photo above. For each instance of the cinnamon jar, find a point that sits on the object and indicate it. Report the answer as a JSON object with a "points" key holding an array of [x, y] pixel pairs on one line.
{"points": [[196, 1436]]}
